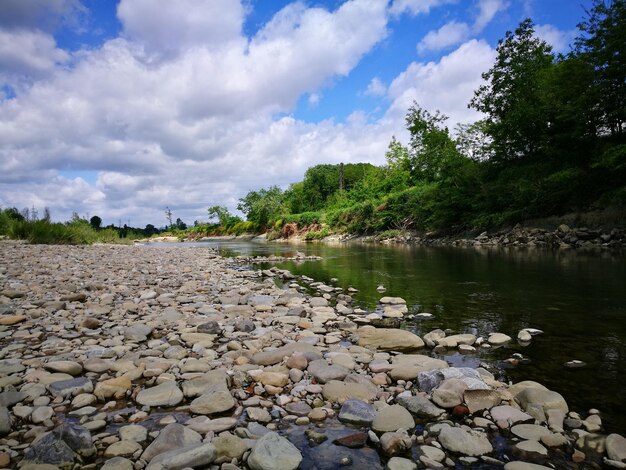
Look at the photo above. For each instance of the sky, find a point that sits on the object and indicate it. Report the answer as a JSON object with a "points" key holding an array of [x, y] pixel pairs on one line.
{"points": [[123, 108]]}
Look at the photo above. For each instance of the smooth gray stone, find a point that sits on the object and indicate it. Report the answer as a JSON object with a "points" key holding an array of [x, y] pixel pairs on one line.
{"points": [[357, 412], [274, 452], [420, 406]]}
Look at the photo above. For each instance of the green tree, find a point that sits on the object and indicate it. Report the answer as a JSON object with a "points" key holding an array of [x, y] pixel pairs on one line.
{"points": [[95, 222], [569, 104], [220, 213], [511, 97], [602, 44], [150, 230], [13, 214], [263, 206], [320, 182], [294, 198], [224, 218], [431, 148]]}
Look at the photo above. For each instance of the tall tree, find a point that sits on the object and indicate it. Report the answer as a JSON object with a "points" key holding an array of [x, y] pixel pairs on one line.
{"points": [[602, 43], [431, 148], [263, 206], [511, 96]]}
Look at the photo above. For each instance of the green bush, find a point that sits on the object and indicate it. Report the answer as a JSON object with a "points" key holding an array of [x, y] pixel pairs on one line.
{"points": [[304, 219], [243, 227], [317, 234], [388, 234]]}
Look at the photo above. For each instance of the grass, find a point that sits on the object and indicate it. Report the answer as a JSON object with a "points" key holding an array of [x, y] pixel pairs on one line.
{"points": [[53, 233]]}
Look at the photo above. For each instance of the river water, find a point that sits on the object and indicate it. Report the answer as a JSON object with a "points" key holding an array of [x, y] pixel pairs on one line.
{"points": [[577, 298]]}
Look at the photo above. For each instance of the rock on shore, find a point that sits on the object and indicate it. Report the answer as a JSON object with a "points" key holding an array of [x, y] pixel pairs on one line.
{"points": [[154, 358]]}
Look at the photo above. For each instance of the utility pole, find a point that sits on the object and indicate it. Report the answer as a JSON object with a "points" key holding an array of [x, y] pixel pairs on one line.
{"points": [[168, 216]]}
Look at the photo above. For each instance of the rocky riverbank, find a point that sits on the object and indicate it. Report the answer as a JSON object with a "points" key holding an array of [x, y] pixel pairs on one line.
{"points": [[132, 357]]}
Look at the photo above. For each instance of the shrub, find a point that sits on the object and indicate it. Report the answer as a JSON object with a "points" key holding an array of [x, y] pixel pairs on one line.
{"points": [[243, 227], [317, 234], [387, 234], [304, 219]]}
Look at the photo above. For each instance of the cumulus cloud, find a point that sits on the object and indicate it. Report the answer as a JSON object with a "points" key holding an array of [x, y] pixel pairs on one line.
{"points": [[416, 7], [164, 27], [455, 32], [198, 125], [376, 88], [45, 15], [487, 10], [558, 39], [25, 53], [62, 195], [447, 85], [185, 121], [450, 34]]}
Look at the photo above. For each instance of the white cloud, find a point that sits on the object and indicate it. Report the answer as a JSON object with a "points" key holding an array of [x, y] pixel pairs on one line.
{"points": [[447, 85], [193, 128], [487, 10], [416, 7], [558, 39], [450, 34], [314, 99], [164, 27], [25, 53], [45, 15], [376, 88], [198, 127], [62, 195], [455, 32]]}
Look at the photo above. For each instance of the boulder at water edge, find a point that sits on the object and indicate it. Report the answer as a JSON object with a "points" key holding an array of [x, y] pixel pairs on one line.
{"points": [[273, 452]]}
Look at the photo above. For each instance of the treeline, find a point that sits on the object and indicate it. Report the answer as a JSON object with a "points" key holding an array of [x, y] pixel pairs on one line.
{"points": [[26, 225], [552, 142]]}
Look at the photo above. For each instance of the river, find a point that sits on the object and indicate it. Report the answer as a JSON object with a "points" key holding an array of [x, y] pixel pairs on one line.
{"points": [[577, 298]]}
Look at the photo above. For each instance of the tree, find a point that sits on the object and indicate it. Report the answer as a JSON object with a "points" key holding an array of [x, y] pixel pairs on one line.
{"points": [[511, 98], [14, 214], [150, 230], [473, 141], [95, 222], [431, 148], [168, 216], [602, 44], [295, 202], [263, 206], [46, 214], [223, 216], [180, 225]]}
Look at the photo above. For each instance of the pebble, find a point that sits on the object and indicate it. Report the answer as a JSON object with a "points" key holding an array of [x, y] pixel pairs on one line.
{"points": [[169, 339]]}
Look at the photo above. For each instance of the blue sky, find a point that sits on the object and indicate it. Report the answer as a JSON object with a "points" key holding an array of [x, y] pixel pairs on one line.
{"points": [[119, 109]]}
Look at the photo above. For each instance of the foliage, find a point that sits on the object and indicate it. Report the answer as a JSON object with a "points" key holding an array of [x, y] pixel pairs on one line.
{"points": [[243, 227], [551, 142], [317, 234], [225, 219], [511, 94], [387, 234], [95, 222], [602, 44], [76, 231], [264, 206], [304, 219]]}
